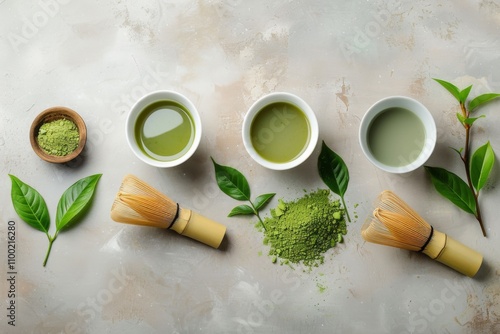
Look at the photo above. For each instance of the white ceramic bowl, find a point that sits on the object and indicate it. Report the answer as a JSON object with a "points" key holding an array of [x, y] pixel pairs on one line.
{"points": [[420, 111], [275, 98], [147, 100]]}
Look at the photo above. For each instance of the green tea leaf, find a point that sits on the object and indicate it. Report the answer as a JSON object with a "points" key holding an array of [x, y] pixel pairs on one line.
{"points": [[459, 152], [471, 120], [450, 88], [453, 188], [481, 165], [74, 201], [241, 210], [461, 118], [261, 200], [232, 182], [464, 93], [29, 205], [468, 120], [482, 99], [334, 173], [333, 170]]}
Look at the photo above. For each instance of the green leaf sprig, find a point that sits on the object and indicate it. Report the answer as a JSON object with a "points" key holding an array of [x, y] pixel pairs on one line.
{"points": [[234, 184], [334, 173], [31, 207], [463, 194]]}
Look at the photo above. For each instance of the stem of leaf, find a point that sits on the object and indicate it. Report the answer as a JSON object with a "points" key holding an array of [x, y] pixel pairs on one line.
{"points": [[256, 212], [478, 214], [345, 207], [51, 241], [465, 159], [261, 222]]}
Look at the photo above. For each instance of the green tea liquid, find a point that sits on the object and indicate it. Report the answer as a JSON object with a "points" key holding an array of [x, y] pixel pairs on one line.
{"points": [[280, 132], [164, 130], [396, 137]]}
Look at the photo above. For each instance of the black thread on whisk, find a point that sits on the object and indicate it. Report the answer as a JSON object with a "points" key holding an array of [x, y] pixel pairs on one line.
{"points": [[428, 240], [177, 216]]}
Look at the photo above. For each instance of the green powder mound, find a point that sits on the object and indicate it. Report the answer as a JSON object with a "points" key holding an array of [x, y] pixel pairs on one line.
{"points": [[59, 137], [302, 231]]}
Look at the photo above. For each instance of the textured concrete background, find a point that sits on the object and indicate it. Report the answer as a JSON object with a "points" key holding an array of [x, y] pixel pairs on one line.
{"points": [[99, 57]]}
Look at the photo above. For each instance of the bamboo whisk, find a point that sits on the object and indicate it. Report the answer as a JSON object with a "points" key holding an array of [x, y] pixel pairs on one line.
{"points": [[139, 203], [394, 223]]}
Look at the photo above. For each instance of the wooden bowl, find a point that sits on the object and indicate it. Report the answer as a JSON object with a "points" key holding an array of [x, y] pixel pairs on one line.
{"points": [[53, 114]]}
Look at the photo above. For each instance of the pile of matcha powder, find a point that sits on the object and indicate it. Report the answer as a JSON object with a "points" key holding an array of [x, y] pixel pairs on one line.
{"points": [[59, 137], [302, 231]]}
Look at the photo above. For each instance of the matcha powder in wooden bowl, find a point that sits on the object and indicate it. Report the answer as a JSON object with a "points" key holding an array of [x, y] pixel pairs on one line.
{"points": [[59, 137], [302, 231]]}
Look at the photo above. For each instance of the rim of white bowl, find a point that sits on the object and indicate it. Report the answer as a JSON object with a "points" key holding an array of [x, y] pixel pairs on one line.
{"points": [[275, 98], [148, 99], [418, 109]]}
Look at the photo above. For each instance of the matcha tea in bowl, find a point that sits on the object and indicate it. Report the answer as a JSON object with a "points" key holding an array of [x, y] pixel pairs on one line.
{"points": [[280, 131], [397, 134], [163, 129]]}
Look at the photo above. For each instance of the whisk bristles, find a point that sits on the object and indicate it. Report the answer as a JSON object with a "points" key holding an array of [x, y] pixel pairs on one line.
{"points": [[394, 223], [138, 203]]}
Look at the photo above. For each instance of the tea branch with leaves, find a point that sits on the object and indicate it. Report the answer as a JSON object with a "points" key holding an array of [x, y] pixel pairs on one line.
{"points": [[234, 184], [477, 167], [32, 209]]}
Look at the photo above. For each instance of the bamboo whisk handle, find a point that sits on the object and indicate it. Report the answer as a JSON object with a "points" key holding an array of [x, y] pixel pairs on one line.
{"points": [[198, 227], [454, 254]]}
